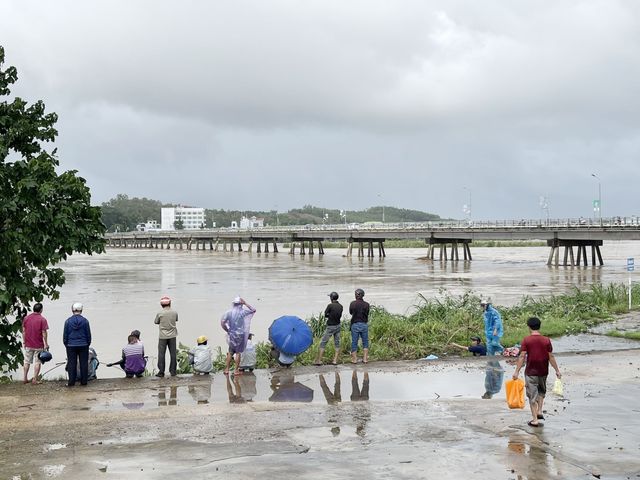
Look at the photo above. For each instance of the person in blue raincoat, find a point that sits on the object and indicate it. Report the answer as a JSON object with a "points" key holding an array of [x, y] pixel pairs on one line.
{"points": [[493, 328], [237, 323]]}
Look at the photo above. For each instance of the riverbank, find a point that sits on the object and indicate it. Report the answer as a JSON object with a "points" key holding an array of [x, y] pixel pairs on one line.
{"points": [[386, 420]]}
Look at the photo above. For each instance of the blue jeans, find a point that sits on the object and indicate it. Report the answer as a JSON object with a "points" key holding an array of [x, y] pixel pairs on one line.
{"points": [[361, 330], [493, 345]]}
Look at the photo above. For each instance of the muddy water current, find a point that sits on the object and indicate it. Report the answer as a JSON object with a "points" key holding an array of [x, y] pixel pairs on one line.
{"points": [[121, 289]]}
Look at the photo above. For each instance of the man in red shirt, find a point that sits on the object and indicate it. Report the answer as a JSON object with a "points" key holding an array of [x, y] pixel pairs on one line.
{"points": [[537, 349], [34, 336]]}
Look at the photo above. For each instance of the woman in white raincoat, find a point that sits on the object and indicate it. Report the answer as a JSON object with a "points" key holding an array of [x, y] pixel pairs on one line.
{"points": [[237, 323]]}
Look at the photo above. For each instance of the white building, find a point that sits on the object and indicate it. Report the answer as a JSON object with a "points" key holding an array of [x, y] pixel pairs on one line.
{"points": [[192, 218], [252, 222], [149, 226]]}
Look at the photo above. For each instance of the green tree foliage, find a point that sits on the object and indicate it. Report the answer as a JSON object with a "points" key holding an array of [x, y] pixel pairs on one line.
{"points": [[44, 216], [123, 213]]}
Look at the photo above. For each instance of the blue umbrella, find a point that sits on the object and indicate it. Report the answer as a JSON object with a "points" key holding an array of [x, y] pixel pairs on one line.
{"points": [[290, 335]]}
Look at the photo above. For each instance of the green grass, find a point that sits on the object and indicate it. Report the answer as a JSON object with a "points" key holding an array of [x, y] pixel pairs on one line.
{"points": [[629, 335], [437, 322]]}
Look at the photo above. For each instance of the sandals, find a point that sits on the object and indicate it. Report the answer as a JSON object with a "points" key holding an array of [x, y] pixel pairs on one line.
{"points": [[540, 416], [531, 424]]}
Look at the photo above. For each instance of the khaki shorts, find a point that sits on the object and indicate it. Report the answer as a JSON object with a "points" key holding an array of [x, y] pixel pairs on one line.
{"points": [[535, 386], [31, 353]]}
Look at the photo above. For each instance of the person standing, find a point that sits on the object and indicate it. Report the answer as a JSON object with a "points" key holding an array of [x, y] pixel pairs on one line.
{"points": [[359, 310], [77, 338], [237, 323], [166, 320], [493, 328], [537, 350], [34, 336], [332, 314]]}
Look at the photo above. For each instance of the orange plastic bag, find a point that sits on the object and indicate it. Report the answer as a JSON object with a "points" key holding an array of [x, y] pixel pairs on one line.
{"points": [[515, 393]]}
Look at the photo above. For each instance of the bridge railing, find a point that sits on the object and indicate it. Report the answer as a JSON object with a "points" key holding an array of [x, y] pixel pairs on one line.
{"points": [[632, 222]]}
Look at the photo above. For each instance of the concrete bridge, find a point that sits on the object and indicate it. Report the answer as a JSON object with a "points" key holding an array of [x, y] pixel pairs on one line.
{"points": [[443, 240]]}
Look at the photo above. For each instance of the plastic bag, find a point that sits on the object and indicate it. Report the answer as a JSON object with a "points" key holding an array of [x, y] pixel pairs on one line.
{"points": [[515, 393], [557, 387]]}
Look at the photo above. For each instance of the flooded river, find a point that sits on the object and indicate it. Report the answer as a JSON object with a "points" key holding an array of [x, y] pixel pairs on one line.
{"points": [[121, 289]]}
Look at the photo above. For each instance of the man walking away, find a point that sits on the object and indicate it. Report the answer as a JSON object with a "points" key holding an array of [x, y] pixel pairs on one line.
{"points": [[166, 320], [493, 328], [359, 310], [34, 336], [332, 314], [537, 350], [76, 339]]}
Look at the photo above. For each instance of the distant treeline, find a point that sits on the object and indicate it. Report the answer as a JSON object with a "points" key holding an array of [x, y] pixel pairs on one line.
{"points": [[123, 213]]}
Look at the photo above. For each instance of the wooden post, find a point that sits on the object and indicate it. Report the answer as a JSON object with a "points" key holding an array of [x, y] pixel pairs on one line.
{"points": [[275, 246]]}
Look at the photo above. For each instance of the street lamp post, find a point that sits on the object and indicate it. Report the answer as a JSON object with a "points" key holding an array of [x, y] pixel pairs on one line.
{"points": [[380, 197], [467, 208], [599, 197]]}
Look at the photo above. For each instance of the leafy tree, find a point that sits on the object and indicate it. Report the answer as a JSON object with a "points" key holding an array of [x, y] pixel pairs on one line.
{"points": [[44, 216], [123, 213]]}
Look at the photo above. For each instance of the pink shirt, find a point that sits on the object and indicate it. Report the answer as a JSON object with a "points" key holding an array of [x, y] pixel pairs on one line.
{"points": [[33, 325]]}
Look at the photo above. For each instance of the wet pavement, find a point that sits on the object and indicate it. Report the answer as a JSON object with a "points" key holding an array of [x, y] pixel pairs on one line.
{"points": [[421, 419]]}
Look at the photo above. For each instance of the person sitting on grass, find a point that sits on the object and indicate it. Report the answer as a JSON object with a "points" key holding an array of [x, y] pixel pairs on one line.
{"points": [[477, 347], [200, 357]]}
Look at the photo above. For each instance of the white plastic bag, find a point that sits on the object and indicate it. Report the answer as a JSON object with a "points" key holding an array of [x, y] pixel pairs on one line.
{"points": [[557, 387]]}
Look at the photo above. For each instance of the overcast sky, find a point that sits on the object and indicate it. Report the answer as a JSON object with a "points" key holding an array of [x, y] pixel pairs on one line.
{"points": [[277, 104]]}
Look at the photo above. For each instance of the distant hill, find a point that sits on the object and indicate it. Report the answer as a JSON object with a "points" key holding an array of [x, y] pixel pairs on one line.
{"points": [[123, 213]]}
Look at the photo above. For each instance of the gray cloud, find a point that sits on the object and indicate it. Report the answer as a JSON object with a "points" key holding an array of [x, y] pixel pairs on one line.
{"points": [[258, 104]]}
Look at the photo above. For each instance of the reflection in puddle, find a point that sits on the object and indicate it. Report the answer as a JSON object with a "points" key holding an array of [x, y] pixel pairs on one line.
{"points": [[530, 462], [476, 381], [286, 389], [493, 378]]}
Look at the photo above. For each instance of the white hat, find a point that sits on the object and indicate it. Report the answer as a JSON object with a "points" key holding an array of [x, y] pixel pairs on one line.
{"points": [[237, 300], [77, 307]]}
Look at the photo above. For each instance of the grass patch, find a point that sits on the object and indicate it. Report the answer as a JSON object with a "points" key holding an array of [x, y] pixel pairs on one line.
{"points": [[435, 323], [629, 335]]}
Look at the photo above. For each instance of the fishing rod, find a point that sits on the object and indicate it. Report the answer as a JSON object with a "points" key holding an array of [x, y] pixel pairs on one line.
{"points": [[53, 368]]}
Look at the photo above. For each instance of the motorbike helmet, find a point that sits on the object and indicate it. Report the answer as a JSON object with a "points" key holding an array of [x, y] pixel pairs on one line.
{"points": [[44, 356]]}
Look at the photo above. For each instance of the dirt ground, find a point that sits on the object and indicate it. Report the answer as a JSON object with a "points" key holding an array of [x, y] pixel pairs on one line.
{"points": [[421, 419]]}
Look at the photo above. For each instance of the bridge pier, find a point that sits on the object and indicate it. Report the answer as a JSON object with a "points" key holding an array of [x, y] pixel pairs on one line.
{"points": [[581, 257], [361, 243], [454, 255]]}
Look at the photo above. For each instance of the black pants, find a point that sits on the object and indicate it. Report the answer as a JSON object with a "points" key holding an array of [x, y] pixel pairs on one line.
{"points": [[73, 354], [163, 343]]}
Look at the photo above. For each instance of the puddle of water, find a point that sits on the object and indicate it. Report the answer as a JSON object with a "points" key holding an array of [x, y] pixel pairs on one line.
{"points": [[483, 380], [51, 471], [48, 447], [585, 342], [531, 462]]}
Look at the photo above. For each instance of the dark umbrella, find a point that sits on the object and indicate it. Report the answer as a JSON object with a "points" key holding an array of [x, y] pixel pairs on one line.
{"points": [[290, 334]]}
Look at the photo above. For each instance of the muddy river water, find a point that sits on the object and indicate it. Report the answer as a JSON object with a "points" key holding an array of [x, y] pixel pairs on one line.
{"points": [[121, 289]]}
